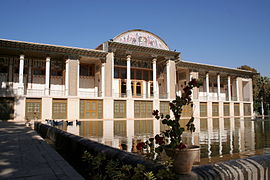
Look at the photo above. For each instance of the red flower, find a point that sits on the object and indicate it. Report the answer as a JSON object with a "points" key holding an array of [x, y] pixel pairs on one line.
{"points": [[159, 140], [182, 146], [140, 146], [155, 112]]}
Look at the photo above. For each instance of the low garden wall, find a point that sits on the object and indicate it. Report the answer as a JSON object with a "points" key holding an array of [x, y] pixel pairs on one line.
{"points": [[72, 148]]}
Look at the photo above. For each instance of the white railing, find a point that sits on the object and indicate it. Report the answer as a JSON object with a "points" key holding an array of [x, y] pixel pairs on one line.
{"points": [[35, 92], [88, 94], [57, 93], [211, 97]]}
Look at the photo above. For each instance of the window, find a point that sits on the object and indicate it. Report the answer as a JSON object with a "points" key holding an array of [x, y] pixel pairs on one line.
{"points": [[123, 88], [119, 109], [33, 109], [142, 127], [87, 70], [215, 109], [151, 89], [236, 109], [120, 72], [226, 109], [247, 109], [57, 67], [138, 89], [120, 128], [59, 109], [91, 109], [203, 109], [143, 109], [38, 71], [187, 111]]}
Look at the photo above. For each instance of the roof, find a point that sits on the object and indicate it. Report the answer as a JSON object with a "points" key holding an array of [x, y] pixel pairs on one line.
{"points": [[207, 67], [130, 47], [49, 48]]}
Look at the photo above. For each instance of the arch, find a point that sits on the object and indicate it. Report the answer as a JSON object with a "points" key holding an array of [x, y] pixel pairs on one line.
{"points": [[141, 38], [138, 89]]}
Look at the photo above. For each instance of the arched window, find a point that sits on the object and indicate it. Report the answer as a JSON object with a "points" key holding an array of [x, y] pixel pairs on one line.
{"points": [[123, 88], [138, 89], [132, 88], [151, 89]]}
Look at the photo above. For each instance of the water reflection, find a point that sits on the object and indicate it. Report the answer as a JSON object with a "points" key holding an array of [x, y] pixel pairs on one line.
{"points": [[220, 138]]}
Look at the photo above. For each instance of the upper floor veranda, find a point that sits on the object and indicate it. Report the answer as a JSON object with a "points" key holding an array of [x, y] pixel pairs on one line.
{"points": [[115, 69]]}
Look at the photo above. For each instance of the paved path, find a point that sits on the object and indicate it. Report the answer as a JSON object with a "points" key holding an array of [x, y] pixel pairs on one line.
{"points": [[25, 155]]}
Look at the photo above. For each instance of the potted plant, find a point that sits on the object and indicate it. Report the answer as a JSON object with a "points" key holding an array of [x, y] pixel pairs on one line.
{"points": [[170, 140]]}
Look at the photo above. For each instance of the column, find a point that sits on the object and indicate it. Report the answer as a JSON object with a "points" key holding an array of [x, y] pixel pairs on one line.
{"points": [[168, 79], [128, 85], [155, 78], [103, 80], [78, 77], [21, 86], [218, 86], [190, 78], [67, 77], [47, 79], [237, 88], [229, 88], [207, 85]]}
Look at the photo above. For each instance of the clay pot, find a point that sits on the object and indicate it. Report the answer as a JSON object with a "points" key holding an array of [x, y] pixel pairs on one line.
{"points": [[183, 159]]}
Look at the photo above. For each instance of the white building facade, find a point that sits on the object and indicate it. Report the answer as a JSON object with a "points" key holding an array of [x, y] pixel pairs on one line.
{"points": [[124, 78]]}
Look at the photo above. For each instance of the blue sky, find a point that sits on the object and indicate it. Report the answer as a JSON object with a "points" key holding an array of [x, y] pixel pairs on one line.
{"points": [[220, 32]]}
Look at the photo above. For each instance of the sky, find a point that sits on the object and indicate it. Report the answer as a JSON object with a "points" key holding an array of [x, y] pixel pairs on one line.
{"points": [[227, 33]]}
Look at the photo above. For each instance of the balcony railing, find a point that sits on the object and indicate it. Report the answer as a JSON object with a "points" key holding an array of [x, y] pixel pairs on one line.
{"points": [[89, 94], [57, 93], [163, 96], [35, 92]]}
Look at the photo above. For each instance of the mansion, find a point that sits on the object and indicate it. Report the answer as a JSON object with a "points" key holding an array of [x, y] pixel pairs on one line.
{"points": [[124, 78]]}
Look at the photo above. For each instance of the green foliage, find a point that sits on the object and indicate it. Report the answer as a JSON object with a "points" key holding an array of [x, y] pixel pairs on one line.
{"points": [[172, 138], [100, 168]]}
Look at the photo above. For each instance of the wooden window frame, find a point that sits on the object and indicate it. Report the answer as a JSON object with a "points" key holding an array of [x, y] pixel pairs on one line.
{"points": [[90, 68]]}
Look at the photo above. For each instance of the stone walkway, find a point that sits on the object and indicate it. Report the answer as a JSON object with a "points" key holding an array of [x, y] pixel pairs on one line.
{"points": [[25, 155]]}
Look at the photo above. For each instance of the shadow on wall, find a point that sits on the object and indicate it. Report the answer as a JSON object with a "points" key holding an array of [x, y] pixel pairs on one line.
{"points": [[8, 100]]}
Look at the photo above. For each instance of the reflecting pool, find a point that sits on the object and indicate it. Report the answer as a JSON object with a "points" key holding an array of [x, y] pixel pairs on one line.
{"points": [[220, 139]]}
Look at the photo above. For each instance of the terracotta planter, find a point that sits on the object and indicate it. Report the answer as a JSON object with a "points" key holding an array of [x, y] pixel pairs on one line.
{"points": [[184, 159]]}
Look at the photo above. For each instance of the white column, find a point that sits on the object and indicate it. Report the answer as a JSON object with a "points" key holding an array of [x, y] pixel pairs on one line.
{"points": [[103, 80], [190, 78], [67, 77], [21, 86], [207, 85], [155, 78], [218, 86], [168, 79], [47, 80], [229, 88], [128, 84], [237, 89]]}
